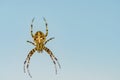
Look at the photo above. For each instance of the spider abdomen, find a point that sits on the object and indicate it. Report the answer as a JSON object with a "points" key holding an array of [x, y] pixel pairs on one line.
{"points": [[39, 47]]}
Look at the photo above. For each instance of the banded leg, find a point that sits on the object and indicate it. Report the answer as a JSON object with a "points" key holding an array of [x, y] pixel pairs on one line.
{"points": [[32, 28], [31, 43], [57, 61], [46, 26], [27, 61], [49, 39], [52, 57]]}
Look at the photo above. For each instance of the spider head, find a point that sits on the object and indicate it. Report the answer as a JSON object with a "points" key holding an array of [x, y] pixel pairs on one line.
{"points": [[39, 37]]}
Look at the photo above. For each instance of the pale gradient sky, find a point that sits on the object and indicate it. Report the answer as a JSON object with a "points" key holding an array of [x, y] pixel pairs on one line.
{"points": [[87, 39]]}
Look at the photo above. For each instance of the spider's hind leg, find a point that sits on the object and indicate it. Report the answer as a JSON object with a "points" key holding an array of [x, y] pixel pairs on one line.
{"points": [[54, 59], [57, 61], [27, 61]]}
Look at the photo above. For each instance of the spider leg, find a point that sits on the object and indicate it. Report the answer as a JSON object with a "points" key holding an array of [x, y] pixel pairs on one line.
{"points": [[49, 39], [46, 26], [31, 43], [27, 61], [32, 28], [52, 57], [57, 61]]}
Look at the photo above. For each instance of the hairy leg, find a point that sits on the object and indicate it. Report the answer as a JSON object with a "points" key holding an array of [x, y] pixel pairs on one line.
{"points": [[52, 57], [31, 43], [32, 28], [49, 39], [27, 61], [46, 26]]}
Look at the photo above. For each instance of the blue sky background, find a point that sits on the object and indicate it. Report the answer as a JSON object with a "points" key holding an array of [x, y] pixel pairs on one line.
{"points": [[87, 39]]}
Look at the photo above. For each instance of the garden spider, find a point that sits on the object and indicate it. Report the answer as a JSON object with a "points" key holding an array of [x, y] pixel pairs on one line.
{"points": [[39, 39]]}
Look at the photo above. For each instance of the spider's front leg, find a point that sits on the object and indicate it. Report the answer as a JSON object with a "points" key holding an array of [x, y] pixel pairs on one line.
{"points": [[54, 59], [27, 61], [46, 26], [32, 27]]}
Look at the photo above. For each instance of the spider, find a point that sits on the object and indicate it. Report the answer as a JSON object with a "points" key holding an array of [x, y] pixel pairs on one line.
{"points": [[40, 41]]}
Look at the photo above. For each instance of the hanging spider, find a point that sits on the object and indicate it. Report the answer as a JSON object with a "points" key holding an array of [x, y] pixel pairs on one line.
{"points": [[39, 39]]}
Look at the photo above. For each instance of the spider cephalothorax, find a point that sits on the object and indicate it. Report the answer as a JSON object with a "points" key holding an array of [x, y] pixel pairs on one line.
{"points": [[39, 39]]}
